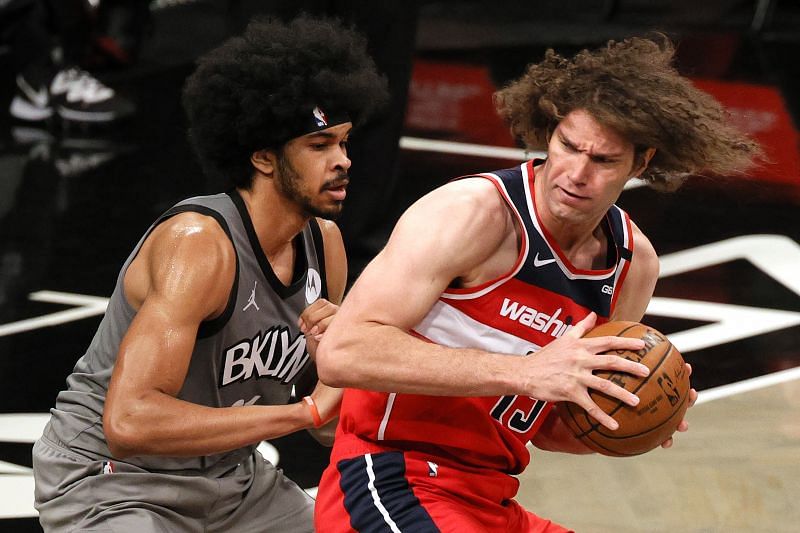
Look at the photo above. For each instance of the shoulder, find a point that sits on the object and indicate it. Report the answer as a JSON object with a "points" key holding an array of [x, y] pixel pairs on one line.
{"points": [[454, 228], [640, 281], [186, 254], [645, 258], [474, 203], [335, 259], [330, 231], [190, 232], [479, 191]]}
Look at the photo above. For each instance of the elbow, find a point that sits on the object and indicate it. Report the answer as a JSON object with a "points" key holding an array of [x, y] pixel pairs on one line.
{"points": [[122, 437], [330, 364]]}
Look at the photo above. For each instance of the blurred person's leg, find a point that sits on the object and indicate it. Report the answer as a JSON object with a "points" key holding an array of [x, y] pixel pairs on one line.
{"points": [[24, 28], [70, 21]]}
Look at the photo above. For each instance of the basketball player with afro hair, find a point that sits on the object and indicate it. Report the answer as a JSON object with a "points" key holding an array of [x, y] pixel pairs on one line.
{"points": [[459, 338], [217, 312]]}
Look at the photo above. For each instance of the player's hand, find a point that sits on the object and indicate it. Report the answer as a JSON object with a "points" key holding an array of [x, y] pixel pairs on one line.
{"points": [[563, 370], [313, 322], [684, 425]]}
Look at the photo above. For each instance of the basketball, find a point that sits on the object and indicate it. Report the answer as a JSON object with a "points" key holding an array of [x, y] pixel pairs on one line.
{"points": [[663, 396]]}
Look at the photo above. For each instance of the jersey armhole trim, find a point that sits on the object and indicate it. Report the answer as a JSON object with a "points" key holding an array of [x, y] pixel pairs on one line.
{"points": [[299, 272], [626, 256], [319, 248], [211, 327], [456, 293]]}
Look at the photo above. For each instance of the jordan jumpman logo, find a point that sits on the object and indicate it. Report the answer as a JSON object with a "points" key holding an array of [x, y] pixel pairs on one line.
{"points": [[252, 299]]}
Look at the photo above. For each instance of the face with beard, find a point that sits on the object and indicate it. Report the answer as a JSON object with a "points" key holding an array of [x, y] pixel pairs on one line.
{"points": [[311, 171]]}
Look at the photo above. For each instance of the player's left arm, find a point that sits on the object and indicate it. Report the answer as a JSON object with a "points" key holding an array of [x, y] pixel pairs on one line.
{"points": [[315, 320]]}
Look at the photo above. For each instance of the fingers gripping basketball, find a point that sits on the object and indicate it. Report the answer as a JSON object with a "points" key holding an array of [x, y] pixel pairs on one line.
{"points": [[583, 326], [663, 395]]}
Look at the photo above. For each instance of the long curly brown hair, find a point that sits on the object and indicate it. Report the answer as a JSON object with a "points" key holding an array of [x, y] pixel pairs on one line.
{"points": [[631, 87]]}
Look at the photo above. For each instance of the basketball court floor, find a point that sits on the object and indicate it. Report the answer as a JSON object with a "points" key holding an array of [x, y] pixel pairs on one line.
{"points": [[73, 202]]}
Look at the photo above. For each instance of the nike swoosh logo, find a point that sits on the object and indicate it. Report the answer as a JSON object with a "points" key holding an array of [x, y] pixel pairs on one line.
{"points": [[39, 98], [542, 262]]}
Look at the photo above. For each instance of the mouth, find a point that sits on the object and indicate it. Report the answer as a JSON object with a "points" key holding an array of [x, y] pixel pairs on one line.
{"points": [[337, 189], [573, 196]]}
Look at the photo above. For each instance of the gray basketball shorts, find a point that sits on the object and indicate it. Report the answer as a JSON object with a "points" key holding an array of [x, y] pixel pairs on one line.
{"points": [[74, 493]]}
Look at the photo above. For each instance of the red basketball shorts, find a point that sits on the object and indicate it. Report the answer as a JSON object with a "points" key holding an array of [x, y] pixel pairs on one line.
{"points": [[403, 492]]}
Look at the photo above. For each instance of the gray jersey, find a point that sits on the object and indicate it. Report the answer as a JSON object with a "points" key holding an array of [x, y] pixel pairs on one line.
{"points": [[252, 354]]}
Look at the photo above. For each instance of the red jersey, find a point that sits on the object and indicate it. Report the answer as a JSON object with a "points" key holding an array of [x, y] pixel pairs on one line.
{"points": [[537, 301]]}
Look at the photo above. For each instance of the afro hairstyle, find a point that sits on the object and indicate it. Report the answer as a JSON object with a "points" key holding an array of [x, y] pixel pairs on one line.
{"points": [[255, 91]]}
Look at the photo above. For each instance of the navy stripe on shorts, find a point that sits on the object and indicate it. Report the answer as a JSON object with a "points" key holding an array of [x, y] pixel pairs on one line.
{"points": [[378, 498]]}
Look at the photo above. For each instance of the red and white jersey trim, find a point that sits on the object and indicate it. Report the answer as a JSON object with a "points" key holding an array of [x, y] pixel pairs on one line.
{"points": [[448, 326], [386, 414], [568, 269], [484, 288]]}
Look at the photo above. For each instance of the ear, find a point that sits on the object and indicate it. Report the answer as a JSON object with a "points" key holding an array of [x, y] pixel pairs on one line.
{"points": [[645, 160], [264, 161]]}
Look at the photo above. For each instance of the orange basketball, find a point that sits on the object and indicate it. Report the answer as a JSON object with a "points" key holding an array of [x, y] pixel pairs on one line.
{"points": [[663, 396]]}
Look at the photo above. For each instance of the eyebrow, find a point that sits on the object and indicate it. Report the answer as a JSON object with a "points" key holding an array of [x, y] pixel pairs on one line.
{"points": [[567, 141]]}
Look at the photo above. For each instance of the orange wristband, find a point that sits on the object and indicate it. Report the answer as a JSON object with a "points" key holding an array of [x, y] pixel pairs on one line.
{"points": [[314, 412]]}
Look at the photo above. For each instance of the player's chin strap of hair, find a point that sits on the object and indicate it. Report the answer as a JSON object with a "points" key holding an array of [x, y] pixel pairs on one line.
{"points": [[318, 421]]}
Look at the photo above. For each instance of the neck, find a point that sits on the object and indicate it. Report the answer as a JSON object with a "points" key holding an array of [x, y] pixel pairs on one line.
{"points": [[577, 237], [276, 220], [577, 241]]}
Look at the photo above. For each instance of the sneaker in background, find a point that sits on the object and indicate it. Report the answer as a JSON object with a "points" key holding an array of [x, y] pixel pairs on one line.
{"points": [[78, 96], [32, 98], [73, 94]]}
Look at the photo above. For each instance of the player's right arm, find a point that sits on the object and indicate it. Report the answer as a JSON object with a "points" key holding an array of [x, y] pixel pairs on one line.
{"points": [[182, 276], [457, 232]]}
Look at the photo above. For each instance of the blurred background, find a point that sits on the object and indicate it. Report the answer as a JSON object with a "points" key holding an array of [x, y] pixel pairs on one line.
{"points": [[77, 190]]}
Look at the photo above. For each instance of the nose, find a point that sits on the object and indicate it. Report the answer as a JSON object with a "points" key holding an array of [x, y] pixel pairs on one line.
{"points": [[579, 173], [342, 161]]}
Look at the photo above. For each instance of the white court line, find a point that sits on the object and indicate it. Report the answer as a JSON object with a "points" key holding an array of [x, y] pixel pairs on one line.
{"points": [[22, 427], [748, 385], [85, 307], [477, 150], [17, 496], [67, 298], [481, 150]]}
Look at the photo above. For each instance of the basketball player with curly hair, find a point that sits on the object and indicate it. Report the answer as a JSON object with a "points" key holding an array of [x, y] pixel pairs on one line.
{"points": [[219, 308], [460, 337]]}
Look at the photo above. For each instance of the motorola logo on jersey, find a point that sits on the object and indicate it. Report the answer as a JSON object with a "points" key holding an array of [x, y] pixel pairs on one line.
{"points": [[271, 354], [534, 319], [313, 286]]}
